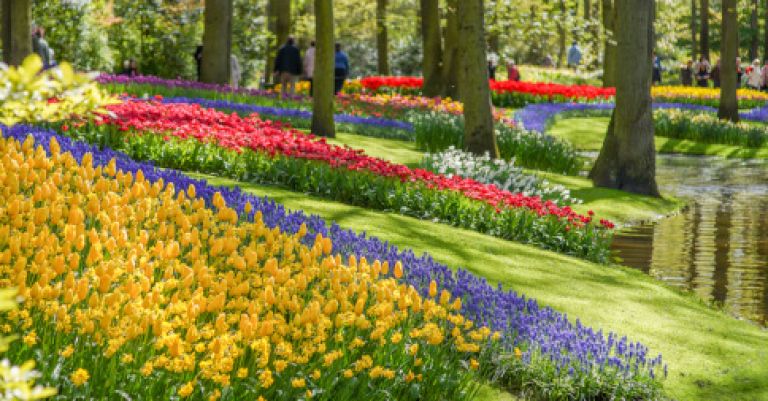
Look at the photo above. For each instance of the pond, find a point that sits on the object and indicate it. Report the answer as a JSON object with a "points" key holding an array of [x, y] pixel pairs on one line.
{"points": [[718, 247]]}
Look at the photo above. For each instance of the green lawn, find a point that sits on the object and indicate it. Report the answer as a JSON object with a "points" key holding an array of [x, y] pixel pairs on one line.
{"points": [[711, 356], [618, 206], [588, 133]]}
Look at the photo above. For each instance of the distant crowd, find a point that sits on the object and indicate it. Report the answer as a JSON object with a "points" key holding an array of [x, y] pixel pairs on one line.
{"points": [[290, 67], [704, 75]]}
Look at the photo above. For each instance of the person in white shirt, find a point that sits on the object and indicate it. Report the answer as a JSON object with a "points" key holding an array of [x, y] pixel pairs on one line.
{"points": [[755, 76], [309, 64]]}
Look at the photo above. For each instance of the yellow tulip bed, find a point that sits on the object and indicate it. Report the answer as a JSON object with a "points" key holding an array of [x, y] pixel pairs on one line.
{"points": [[136, 287], [748, 98]]}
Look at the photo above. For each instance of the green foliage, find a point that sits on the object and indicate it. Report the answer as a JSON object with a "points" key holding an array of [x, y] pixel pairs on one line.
{"points": [[75, 31], [29, 95], [160, 35]]}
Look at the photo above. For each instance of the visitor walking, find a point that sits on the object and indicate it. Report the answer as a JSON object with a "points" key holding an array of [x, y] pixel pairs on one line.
{"points": [[491, 70], [755, 75], [513, 74], [341, 69], [656, 69], [574, 55], [739, 72], [702, 73], [130, 68], [548, 61], [199, 60], [235, 73], [40, 47], [715, 75], [686, 73], [309, 65], [288, 67], [764, 75]]}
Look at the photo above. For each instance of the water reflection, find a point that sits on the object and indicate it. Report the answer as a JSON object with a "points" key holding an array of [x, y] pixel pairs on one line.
{"points": [[717, 248]]}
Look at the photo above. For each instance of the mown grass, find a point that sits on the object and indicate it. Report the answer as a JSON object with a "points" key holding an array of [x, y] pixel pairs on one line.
{"points": [[588, 134], [711, 355]]}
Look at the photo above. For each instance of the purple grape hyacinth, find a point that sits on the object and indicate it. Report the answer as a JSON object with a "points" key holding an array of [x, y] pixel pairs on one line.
{"points": [[291, 113], [535, 117]]}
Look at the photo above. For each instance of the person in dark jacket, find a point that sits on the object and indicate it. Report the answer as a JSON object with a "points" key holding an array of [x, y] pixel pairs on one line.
{"points": [[686, 74], [199, 60], [341, 69], [288, 67], [715, 74]]}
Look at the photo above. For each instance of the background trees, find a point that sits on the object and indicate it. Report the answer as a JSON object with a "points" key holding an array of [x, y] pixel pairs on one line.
{"points": [[162, 34]]}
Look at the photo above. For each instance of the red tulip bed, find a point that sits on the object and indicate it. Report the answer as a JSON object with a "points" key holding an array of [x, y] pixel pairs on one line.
{"points": [[254, 149], [504, 93]]}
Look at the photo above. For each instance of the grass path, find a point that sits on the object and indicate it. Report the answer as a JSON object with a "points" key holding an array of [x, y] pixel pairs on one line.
{"points": [[588, 133], [711, 356]]}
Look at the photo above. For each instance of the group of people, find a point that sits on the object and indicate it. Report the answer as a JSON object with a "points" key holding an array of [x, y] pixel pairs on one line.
{"points": [[700, 73], [754, 76], [289, 67]]}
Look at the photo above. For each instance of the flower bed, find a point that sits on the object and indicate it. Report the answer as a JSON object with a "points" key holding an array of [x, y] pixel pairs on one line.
{"points": [[503, 174], [748, 98], [370, 126], [556, 355], [436, 132], [182, 86], [505, 93], [707, 128], [139, 288], [537, 117], [671, 120], [266, 152]]}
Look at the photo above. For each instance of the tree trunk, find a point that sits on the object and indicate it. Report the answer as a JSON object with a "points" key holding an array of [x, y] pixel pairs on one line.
{"points": [[382, 41], [279, 25], [16, 30], [587, 10], [694, 31], [729, 47], [432, 47], [479, 136], [704, 36], [594, 33], [322, 101], [765, 32], [754, 30], [628, 158], [609, 55], [451, 62], [217, 38], [561, 32]]}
